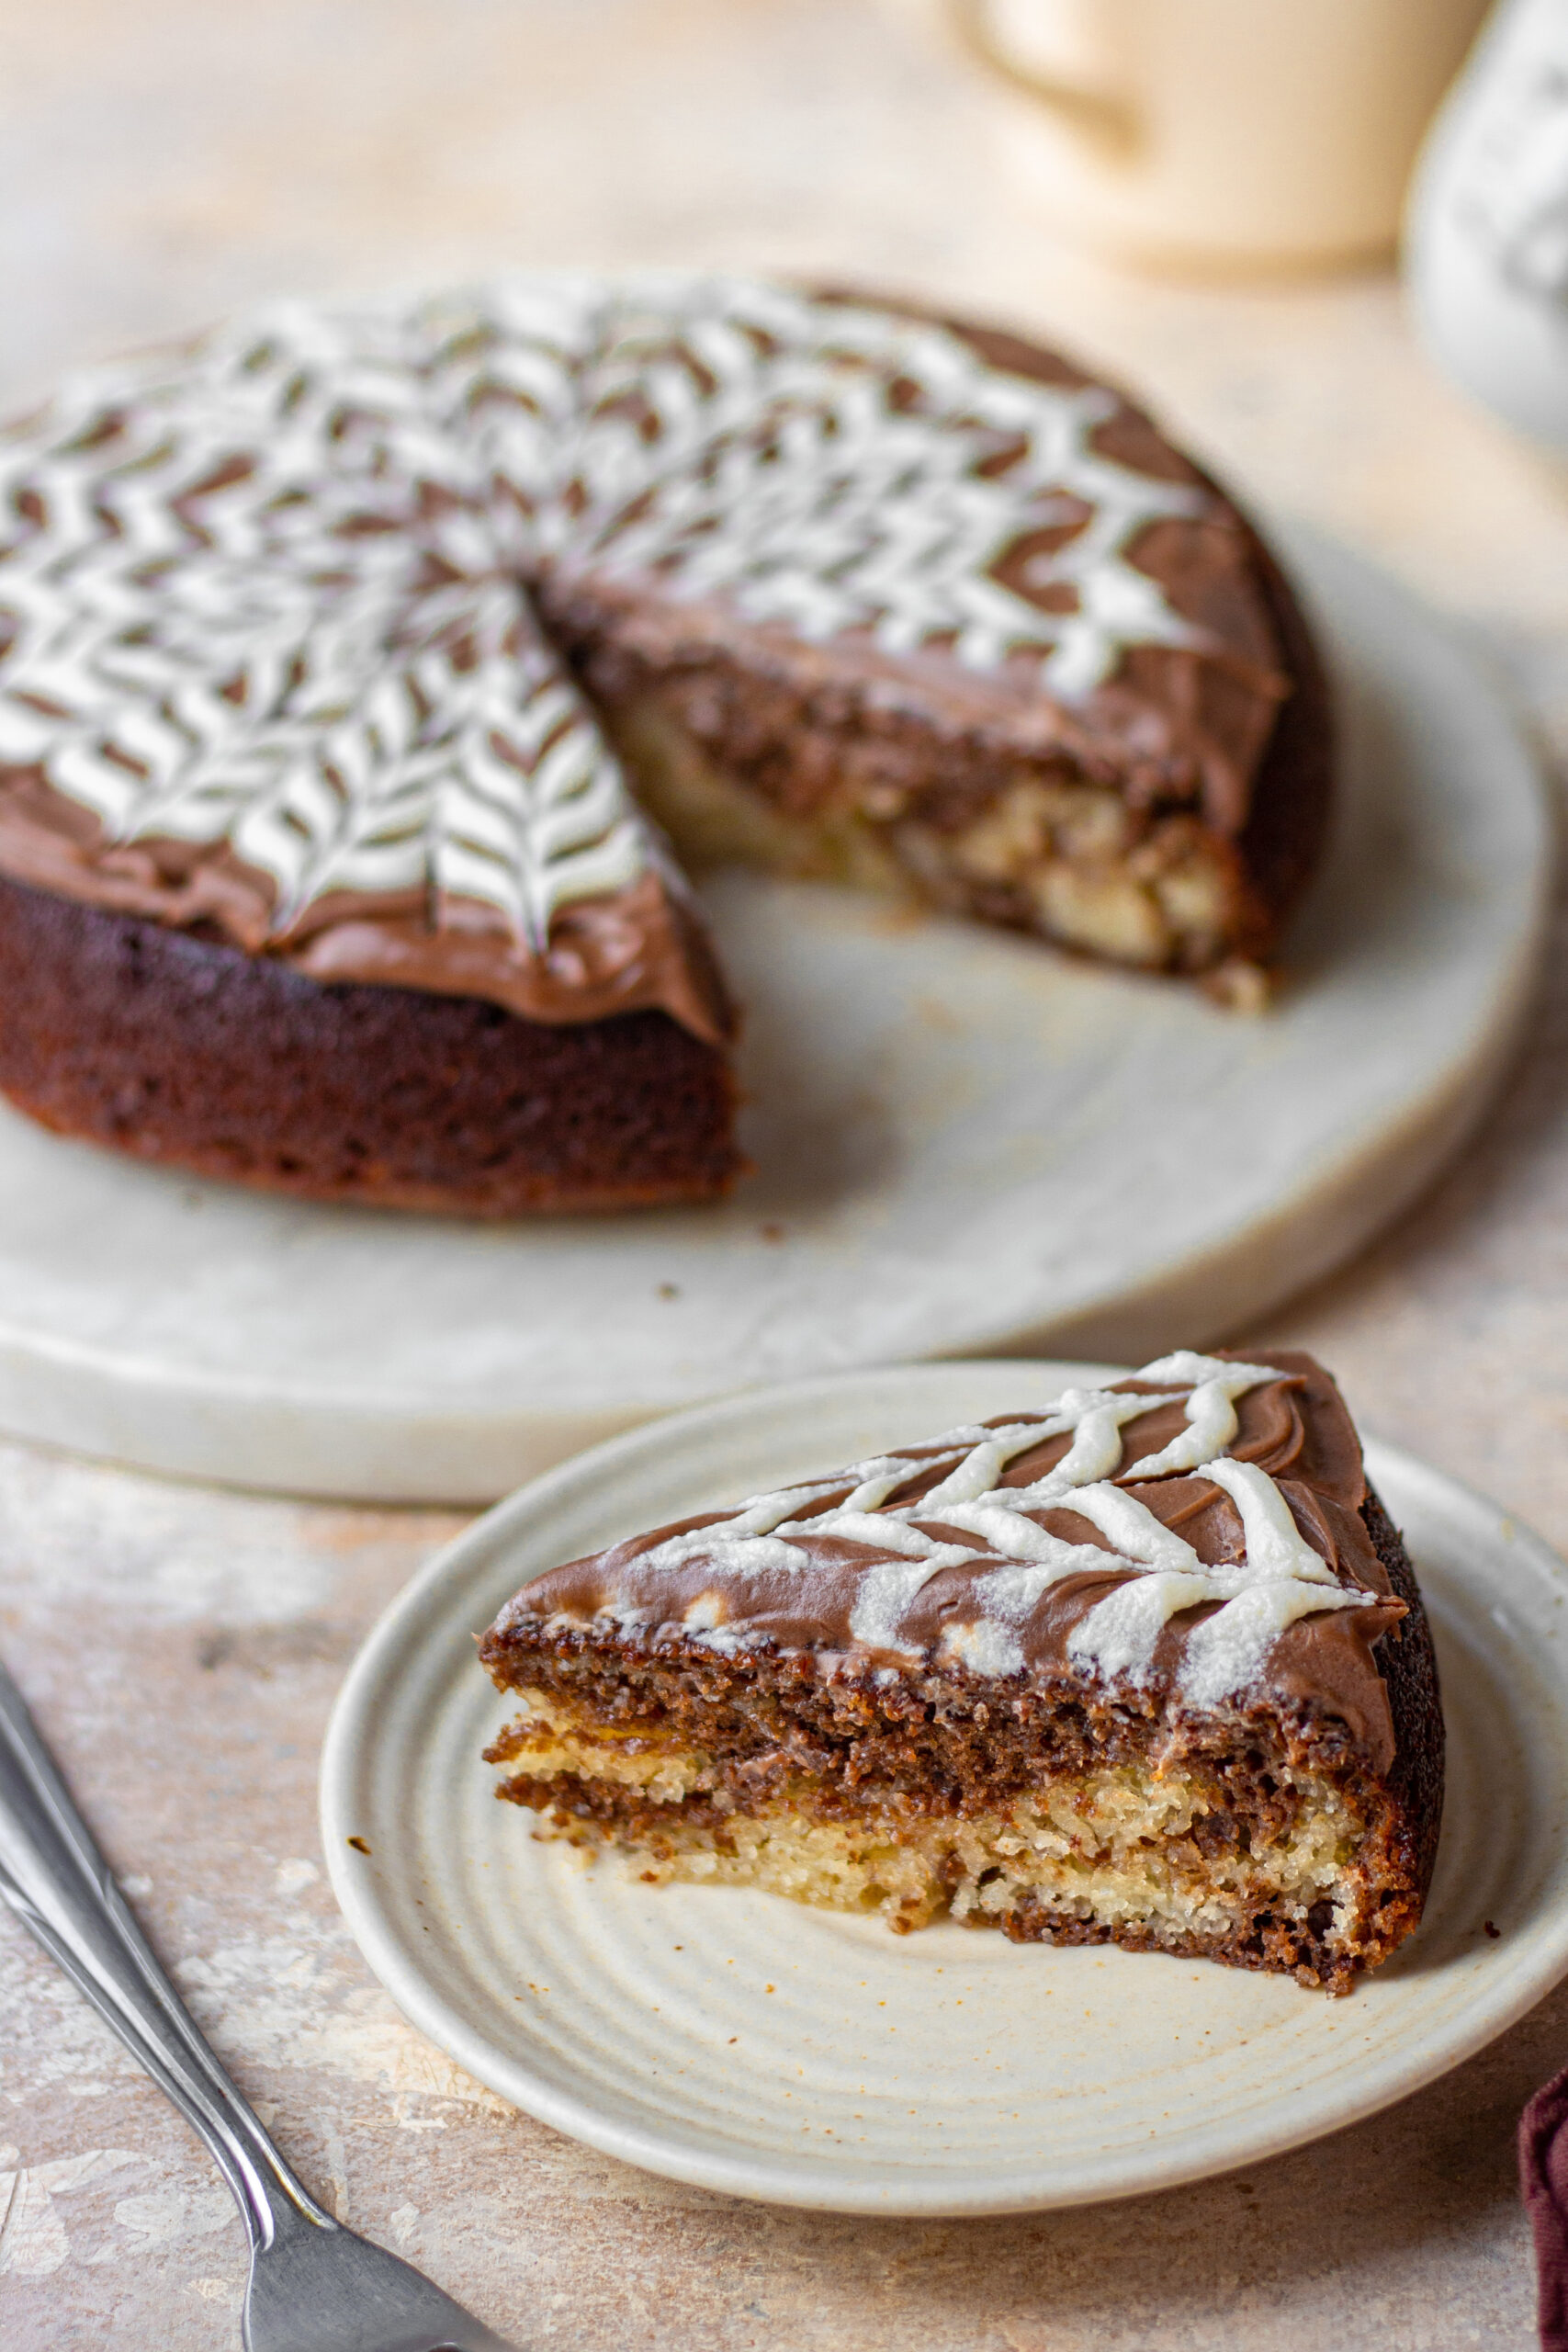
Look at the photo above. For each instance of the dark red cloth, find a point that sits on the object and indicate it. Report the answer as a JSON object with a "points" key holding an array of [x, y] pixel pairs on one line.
{"points": [[1543, 2184]]}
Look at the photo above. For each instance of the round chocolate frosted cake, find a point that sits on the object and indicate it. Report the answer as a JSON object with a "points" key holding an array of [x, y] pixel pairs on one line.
{"points": [[355, 664]]}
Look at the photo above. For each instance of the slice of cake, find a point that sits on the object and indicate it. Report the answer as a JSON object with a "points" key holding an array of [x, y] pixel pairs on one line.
{"points": [[1149, 1667]]}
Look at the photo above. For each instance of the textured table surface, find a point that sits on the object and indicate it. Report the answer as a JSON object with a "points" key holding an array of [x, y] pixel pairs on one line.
{"points": [[182, 1648]]}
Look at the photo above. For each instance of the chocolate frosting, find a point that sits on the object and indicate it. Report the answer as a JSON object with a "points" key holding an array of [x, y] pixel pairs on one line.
{"points": [[1270, 1519], [645, 945], [276, 659]]}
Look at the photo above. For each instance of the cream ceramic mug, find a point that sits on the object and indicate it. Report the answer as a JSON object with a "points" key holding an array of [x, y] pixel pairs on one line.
{"points": [[1221, 132]]}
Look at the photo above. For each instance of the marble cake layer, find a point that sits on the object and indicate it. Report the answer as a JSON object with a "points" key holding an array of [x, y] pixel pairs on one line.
{"points": [[360, 651], [1149, 1667]]}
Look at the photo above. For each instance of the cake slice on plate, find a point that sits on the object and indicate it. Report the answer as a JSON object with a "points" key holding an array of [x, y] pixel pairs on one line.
{"points": [[1149, 1667]]}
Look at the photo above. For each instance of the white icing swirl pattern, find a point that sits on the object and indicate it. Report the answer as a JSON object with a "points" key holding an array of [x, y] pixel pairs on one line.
{"points": [[834, 468], [275, 591], [1279, 1579], [271, 608]]}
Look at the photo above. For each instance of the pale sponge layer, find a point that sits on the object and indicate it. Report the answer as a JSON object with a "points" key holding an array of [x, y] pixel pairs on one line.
{"points": [[1114, 1848], [1068, 859]]}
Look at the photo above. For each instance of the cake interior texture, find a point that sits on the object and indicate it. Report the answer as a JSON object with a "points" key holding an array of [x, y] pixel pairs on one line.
{"points": [[740, 764], [975, 1740]]}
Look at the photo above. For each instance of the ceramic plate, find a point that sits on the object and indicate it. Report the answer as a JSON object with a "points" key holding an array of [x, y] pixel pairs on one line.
{"points": [[748, 2044], [1134, 1168]]}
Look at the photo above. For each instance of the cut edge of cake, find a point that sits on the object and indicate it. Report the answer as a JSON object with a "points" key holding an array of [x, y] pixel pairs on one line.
{"points": [[326, 741]]}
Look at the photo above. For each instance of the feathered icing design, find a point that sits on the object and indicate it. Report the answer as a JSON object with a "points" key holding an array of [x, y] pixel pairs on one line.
{"points": [[1081, 1534], [267, 619]]}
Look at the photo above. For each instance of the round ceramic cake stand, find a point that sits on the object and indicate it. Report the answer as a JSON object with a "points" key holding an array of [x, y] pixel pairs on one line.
{"points": [[964, 1143]]}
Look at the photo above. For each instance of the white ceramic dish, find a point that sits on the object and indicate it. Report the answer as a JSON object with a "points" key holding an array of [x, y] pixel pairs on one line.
{"points": [[1136, 1168], [745, 2044]]}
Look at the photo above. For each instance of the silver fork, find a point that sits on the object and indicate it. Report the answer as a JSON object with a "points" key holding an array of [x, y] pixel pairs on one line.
{"points": [[314, 2286]]}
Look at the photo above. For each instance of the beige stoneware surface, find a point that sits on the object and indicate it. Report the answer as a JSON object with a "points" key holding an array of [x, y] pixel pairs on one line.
{"points": [[182, 1647], [743, 2042]]}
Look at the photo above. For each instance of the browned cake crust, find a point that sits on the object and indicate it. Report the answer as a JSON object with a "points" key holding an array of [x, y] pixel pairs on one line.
{"points": [[182, 1049], [1292, 795], [1340, 1739], [1408, 1664]]}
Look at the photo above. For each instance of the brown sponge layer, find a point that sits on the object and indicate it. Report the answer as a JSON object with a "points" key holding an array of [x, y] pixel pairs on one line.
{"points": [[182, 1049]]}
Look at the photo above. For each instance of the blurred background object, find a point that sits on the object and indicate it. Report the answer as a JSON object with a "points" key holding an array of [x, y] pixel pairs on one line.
{"points": [[1487, 253], [1228, 134]]}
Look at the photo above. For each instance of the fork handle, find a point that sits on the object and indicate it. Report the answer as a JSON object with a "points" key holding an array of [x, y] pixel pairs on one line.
{"points": [[58, 1883]]}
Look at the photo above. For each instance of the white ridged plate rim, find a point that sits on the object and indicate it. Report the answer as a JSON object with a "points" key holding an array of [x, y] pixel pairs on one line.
{"points": [[721, 2037]]}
